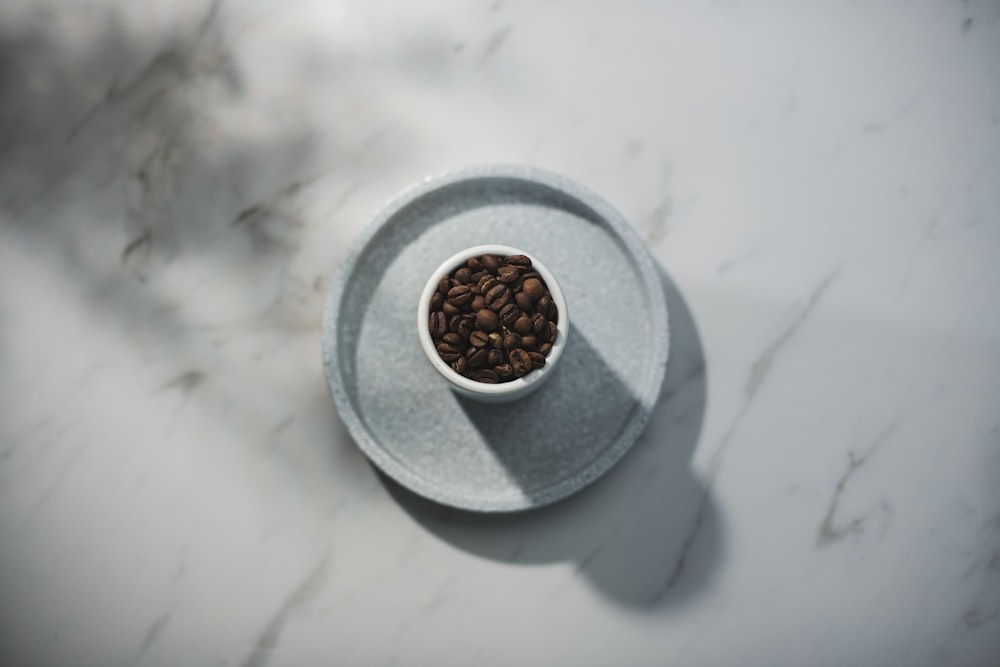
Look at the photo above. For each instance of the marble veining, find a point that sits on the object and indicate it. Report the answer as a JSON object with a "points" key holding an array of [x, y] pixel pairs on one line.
{"points": [[180, 181]]}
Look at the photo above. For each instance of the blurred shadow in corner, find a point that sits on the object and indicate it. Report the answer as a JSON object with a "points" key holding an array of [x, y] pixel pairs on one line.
{"points": [[648, 534]]}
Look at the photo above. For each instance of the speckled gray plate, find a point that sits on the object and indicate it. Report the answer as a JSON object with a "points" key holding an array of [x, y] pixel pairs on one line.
{"points": [[497, 458]]}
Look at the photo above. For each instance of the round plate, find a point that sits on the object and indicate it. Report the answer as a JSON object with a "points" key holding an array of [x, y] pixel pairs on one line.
{"points": [[533, 451]]}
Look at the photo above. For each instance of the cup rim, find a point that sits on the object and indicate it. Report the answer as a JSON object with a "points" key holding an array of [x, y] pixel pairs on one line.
{"points": [[468, 385]]}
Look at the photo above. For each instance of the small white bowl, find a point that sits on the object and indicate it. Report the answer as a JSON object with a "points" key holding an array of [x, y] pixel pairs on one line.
{"points": [[501, 392]]}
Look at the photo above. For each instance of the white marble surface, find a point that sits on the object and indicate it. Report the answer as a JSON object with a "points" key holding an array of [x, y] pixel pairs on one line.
{"points": [[819, 484]]}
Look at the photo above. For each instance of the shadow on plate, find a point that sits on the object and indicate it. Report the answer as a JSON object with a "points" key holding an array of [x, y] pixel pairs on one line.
{"points": [[647, 534]]}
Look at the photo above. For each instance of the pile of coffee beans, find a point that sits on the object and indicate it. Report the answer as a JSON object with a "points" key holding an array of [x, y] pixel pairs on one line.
{"points": [[493, 318]]}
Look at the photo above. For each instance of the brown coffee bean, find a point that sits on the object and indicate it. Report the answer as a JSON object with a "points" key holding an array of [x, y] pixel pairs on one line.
{"points": [[544, 305], [507, 274], [464, 328], [486, 375], [478, 357], [523, 301], [444, 285], [437, 299], [537, 359], [486, 283], [509, 314], [545, 348], [523, 325], [452, 339], [550, 332], [438, 324], [490, 262], [496, 341], [474, 264], [531, 274], [504, 371], [497, 297], [539, 323], [478, 303], [477, 276], [553, 313], [511, 340], [529, 342], [459, 295], [487, 320], [448, 352], [460, 365], [521, 262], [463, 275], [520, 362], [450, 309], [479, 339], [532, 287], [494, 357]]}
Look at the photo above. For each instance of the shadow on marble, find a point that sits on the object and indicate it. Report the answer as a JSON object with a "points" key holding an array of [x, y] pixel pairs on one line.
{"points": [[647, 535]]}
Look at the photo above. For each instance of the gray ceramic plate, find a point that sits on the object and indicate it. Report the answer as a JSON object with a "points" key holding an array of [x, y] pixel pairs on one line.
{"points": [[531, 452]]}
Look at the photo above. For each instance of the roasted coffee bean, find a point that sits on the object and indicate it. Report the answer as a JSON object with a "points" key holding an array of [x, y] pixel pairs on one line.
{"points": [[511, 340], [463, 275], [486, 283], [477, 304], [486, 375], [509, 314], [523, 301], [504, 371], [452, 339], [437, 299], [460, 365], [531, 274], [539, 323], [521, 262], [478, 357], [507, 274], [474, 264], [464, 328], [490, 262], [494, 357], [520, 362], [444, 285], [450, 309], [532, 287], [545, 348], [487, 320], [544, 305], [438, 324], [529, 342], [553, 313], [478, 275], [496, 341], [497, 297], [459, 294], [550, 332], [523, 325], [448, 352], [479, 339], [537, 359]]}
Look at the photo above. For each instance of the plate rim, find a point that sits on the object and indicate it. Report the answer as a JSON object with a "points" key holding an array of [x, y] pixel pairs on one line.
{"points": [[382, 458]]}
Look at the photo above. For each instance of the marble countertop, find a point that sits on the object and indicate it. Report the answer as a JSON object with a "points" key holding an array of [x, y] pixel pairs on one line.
{"points": [[819, 483]]}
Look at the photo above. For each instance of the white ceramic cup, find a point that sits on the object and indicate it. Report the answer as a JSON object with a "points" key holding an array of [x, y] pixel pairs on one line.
{"points": [[501, 392]]}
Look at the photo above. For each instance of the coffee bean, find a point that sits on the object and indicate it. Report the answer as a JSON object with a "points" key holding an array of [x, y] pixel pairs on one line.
{"points": [[490, 262], [531, 274], [463, 275], [494, 357], [464, 328], [550, 332], [504, 371], [486, 283], [497, 297], [545, 348], [496, 341], [537, 359], [507, 274], [478, 358], [511, 340], [487, 320], [437, 299], [438, 324], [452, 339], [444, 285], [478, 303], [521, 262], [544, 305], [538, 323], [529, 342], [479, 339], [532, 287], [523, 325], [509, 314], [460, 365], [486, 375], [450, 309], [459, 294], [523, 301], [520, 362], [477, 276], [474, 264], [448, 352]]}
